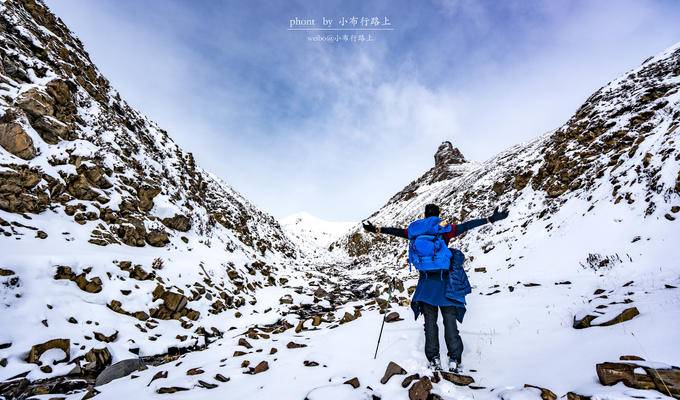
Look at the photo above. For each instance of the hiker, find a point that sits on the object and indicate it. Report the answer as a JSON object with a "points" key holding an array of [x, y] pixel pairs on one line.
{"points": [[442, 283]]}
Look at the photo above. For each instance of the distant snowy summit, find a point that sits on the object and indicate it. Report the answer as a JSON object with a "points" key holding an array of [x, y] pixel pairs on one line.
{"points": [[312, 233]]}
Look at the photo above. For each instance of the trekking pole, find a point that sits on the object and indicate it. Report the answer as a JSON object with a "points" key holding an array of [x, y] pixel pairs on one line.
{"points": [[389, 297]]}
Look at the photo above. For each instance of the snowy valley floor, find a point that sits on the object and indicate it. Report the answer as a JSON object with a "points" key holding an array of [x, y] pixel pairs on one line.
{"points": [[512, 338]]}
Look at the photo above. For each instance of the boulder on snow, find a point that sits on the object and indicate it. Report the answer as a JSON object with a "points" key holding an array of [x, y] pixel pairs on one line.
{"points": [[421, 389], [37, 350], [457, 379], [664, 380], [354, 382], [178, 222], [393, 317], [119, 370], [391, 370], [623, 316], [546, 394], [15, 140]]}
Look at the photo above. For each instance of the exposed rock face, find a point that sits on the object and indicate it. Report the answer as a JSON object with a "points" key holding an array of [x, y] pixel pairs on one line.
{"points": [[15, 140], [179, 222], [446, 155]]}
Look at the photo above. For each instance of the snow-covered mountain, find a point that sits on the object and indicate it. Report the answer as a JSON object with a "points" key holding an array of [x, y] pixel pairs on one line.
{"points": [[121, 258], [312, 234], [112, 238]]}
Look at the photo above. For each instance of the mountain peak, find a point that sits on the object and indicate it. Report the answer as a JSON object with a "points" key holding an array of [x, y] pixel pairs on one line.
{"points": [[447, 154]]}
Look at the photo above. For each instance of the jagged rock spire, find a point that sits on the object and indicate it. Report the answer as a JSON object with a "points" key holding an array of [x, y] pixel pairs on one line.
{"points": [[447, 154]]}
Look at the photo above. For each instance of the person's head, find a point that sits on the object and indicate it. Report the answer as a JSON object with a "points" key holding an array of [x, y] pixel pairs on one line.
{"points": [[431, 210]]}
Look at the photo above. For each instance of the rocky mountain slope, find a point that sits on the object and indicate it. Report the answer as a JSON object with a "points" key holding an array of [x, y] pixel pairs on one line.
{"points": [[114, 243], [128, 271], [590, 239]]}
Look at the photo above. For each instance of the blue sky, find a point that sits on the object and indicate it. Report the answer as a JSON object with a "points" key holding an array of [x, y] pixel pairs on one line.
{"points": [[336, 129]]}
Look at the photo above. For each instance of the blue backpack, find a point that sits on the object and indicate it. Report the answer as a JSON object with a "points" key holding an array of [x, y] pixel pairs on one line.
{"points": [[427, 250]]}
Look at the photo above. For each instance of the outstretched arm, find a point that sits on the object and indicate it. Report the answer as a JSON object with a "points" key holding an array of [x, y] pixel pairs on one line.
{"points": [[399, 232], [474, 223]]}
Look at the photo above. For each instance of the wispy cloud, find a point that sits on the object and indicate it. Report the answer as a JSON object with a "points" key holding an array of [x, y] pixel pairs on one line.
{"points": [[336, 129]]}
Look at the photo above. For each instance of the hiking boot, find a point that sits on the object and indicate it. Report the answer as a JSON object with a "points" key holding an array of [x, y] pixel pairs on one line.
{"points": [[454, 366], [436, 364]]}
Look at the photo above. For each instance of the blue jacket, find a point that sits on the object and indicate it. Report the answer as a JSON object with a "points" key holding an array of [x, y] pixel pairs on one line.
{"points": [[440, 289]]}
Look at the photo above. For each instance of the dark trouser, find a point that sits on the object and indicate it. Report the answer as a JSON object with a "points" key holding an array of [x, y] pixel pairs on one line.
{"points": [[454, 343]]}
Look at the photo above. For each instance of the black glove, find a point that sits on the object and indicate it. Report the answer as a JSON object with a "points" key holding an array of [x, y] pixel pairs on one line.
{"points": [[498, 215], [368, 226]]}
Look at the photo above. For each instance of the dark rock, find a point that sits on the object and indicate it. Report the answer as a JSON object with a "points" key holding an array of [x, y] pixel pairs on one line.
{"points": [[613, 373], [393, 317], [206, 385], [178, 222], [119, 370], [157, 238], [354, 382], [221, 378], [261, 367], [106, 339], [170, 390], [457, 379], [15, 140], [631, 358], [293, 345], [195, 371], [625, 315], [308, 363], [576, 396], [546, 394], [421, 389], [391, 370], [243, 342], [158, 375], [37, 350], [407, 381]]}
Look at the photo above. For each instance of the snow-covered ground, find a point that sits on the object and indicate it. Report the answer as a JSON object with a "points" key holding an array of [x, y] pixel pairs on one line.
{"points": [[593, 230]]}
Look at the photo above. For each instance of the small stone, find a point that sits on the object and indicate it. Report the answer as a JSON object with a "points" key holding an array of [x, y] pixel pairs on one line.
{"points": [[41, 235], [206, 385], [273, 350], [221, 378], [308, 363], [407, 381], [421, 389], [3, 362], [480, 269], [598, 292], [171, 389], [354, 382], [46, 369], [391, 370], [157, 375], [243, 342], [261, 367], [195, 371], [293, 345], [393, 317], [631, 358], [457, 379], [546, 394], [245, 364]]}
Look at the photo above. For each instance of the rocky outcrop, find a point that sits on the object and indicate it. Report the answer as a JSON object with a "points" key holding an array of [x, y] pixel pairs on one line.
{"points": [[664, 380], [179, 222], [15, 140]]}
